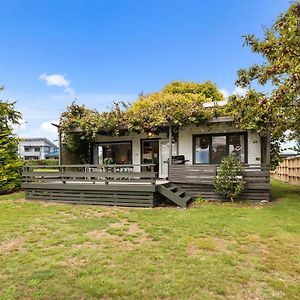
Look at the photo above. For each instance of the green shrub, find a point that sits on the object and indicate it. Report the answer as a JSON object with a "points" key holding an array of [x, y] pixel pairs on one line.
{"points": [[42, 162], [10, 164], [228, 181]]}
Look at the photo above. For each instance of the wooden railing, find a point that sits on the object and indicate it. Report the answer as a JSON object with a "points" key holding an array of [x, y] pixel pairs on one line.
{"points": [[204, 174], [288, 171], [89, 174]]}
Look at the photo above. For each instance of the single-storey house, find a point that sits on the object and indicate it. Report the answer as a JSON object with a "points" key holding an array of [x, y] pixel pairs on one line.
{"points": [[178, 163]]}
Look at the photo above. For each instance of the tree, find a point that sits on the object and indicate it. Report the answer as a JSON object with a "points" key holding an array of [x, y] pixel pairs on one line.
{"points": [[278, 112], [228, 181], [10, 164]]}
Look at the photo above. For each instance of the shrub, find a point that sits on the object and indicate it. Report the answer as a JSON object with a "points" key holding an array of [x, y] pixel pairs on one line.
{"points": [[228, 181], [10, 164], [42, 162]]}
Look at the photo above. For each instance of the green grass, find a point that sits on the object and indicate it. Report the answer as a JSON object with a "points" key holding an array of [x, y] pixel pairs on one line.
{"points": [[211, 251]]}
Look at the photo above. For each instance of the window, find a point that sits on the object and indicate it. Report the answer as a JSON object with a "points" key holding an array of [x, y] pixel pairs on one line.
{"points": [[36, 149], [211, 149], [46, 149], [115, 153], [26, 149]]}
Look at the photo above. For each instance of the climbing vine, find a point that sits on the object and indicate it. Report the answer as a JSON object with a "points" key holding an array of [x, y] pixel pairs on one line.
{"points": [[179, 103]]}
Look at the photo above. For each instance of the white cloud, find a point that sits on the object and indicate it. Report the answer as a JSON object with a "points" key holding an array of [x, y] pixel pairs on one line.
{"points": [[239, 91], [58, 80], [46, 128], [225, 93]]}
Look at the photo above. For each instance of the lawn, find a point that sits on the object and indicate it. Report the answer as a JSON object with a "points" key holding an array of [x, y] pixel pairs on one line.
{"points": [[210, 251]]}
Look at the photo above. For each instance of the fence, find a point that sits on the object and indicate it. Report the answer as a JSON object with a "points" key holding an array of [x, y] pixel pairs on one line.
{"points": [[288, 171]]}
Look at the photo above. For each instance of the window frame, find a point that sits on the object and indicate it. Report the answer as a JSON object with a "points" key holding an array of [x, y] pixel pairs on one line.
{"points": [[210, 135]]}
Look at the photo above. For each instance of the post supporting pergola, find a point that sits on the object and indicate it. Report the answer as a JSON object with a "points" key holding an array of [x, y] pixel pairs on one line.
{"points": [[170, 149]]}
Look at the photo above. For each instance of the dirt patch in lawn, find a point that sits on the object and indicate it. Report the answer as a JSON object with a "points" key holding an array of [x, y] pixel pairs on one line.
{"points": [[11, 245], [209, 245], [99, 234], [20, 200], [128, 236], [192, 250]]}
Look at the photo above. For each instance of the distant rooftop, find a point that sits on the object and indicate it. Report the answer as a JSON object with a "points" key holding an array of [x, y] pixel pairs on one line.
{"points": [[39, 139]]}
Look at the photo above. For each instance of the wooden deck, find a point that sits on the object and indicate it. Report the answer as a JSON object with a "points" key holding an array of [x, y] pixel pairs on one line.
{"points": [[105, 185], [124, 186]]}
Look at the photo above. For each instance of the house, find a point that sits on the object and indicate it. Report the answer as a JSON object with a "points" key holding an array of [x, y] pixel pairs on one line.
{"points": [[202, 149], [165, 146], [135, 170], [35, 148]]}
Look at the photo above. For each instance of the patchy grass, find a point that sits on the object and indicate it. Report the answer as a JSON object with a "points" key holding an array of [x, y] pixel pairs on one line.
{"points": [[211, 251]]}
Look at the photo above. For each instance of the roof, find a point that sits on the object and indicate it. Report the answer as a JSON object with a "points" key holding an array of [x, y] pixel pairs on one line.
{"points": [[39, 139]]}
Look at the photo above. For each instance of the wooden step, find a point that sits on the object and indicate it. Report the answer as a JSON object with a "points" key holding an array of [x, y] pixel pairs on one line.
{"points": [[168, 192], [172, 188], [180, 193]]}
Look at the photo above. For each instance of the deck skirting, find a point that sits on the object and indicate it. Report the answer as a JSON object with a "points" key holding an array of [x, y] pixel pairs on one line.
{"points": [[141, 196]]}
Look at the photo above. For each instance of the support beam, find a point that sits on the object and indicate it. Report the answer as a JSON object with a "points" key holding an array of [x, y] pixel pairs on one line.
{"points": [[170, 149]]}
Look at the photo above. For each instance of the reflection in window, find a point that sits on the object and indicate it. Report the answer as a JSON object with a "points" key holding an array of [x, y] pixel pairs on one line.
{"points": [[115, 153], [202, 150], [219, 149], [236, 144]]}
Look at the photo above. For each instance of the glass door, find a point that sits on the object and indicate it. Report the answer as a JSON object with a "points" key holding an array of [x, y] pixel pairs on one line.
{"points": [[164, 157], [150, 154]]}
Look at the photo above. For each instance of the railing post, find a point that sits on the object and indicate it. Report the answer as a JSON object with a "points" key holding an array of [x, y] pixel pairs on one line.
{"points": [[62, 170]]}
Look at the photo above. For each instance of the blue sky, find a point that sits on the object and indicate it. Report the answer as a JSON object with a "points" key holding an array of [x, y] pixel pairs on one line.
{"points": [[109, 50]]}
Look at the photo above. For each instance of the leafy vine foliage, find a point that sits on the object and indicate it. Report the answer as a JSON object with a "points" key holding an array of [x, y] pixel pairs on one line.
{"points": [[10, 164], [178, 103]]}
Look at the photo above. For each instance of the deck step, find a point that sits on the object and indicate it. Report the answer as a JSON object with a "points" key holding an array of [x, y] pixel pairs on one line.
{"points": [[180, 193], [174, 194], [172, 188]]}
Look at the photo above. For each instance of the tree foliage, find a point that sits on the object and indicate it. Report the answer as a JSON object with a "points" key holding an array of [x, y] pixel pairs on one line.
{"points": [[280, 47], [10, 164], [228, 181]]}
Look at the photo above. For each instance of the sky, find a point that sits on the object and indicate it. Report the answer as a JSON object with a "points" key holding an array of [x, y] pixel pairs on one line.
{"points": [[57, 51]]}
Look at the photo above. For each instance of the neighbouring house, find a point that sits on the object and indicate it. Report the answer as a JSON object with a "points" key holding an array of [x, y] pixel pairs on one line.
{"points": [[36, 148]]}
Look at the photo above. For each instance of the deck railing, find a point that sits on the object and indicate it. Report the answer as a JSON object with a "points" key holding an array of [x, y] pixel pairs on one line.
{"points": [[105, 174], [204, 174]]}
